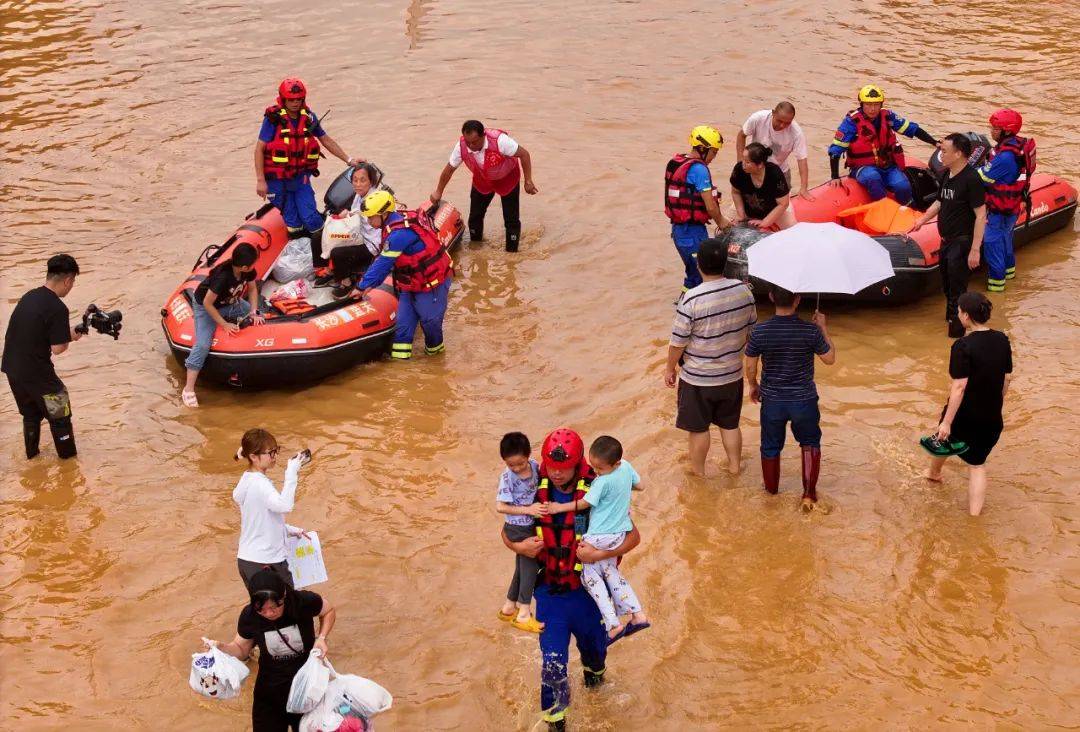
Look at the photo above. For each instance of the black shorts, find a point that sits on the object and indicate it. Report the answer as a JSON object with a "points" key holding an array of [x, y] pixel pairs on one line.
{"points": [[700, 406], [980, 436]]}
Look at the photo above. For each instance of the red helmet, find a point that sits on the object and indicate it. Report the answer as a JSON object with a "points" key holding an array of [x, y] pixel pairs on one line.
{"points": [[292, 88], [1007, 121], [562, 449]]}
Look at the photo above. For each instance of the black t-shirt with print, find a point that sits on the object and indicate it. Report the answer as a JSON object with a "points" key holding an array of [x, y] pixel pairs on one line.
{"points": [[959, 197], [39, 321], [227, 286], [759, 202], [284, 643]]}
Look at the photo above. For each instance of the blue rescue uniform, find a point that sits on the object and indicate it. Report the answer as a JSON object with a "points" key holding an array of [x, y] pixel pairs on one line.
{"points": [[877, 181], [998, 238], [294, 197], [688, 236]]}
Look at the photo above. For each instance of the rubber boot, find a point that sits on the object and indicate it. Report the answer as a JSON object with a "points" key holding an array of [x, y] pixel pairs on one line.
{"points": [[31, 437], [811, 466], [476, 233], [63, 434], [316, 249], [513, 235], [956, 329], [559, 726], [593, 679], [770, 474]]}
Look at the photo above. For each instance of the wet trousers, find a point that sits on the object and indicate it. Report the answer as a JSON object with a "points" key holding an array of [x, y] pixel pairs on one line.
{"points": [[426, 309], [54, 407], [567, 614]]}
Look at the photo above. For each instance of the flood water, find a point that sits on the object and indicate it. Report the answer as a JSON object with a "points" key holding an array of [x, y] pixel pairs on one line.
{"points": [[127, 137]]}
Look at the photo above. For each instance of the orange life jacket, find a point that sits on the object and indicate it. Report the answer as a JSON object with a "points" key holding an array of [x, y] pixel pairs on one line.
{"points": [[292, 152], [562, 570], [1008, 198], [682, 203]]}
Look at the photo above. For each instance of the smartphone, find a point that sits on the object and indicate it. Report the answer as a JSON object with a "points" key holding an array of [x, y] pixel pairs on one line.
{"points": [[304, 455]]}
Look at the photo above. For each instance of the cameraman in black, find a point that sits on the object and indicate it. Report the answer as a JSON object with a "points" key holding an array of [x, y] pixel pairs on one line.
{"points": [[38, 330]]}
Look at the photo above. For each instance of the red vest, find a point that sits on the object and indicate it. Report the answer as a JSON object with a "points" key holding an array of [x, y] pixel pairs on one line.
{"points": [[682, 203], [291, 153], [427, 269], [1008, 198], [872, 145], [562, 570], [498, 174]]}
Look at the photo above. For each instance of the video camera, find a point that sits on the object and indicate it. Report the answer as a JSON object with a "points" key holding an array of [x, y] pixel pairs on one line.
{"points": [[107, 322]]}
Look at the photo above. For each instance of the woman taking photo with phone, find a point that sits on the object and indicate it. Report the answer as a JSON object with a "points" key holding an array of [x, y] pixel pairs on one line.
{"points": [[262, 509], [281, 622]]}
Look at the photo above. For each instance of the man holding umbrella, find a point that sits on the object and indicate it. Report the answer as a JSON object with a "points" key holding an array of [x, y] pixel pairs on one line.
{"points": [[812, 258], [787, 344]]}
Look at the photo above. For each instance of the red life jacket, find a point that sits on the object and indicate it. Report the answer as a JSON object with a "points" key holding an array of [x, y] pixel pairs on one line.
{"points": [[682, 203], [872, 145], [498, 174], [562, 570], [424, 270], [1008, 198], [292, 152]]}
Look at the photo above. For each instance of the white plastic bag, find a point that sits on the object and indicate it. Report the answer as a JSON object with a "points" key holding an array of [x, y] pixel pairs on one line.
{"points": [[290, 291], [216, 674], [294, 262], [309, 684], [349, 704]]}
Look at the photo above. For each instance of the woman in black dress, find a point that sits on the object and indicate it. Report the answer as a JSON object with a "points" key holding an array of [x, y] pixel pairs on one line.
{"points": [[981, 368]]}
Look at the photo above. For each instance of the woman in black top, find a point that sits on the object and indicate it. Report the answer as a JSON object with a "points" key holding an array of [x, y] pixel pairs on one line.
{"points": [[760, 191], [281, 621], [981, 368]]}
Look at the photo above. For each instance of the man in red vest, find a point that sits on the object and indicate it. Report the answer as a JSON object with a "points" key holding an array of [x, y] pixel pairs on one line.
{"points": [[493, 157]]}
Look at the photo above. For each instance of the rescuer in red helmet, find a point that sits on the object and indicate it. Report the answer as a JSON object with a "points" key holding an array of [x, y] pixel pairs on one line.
{"points": [[1007, 177], [562, 603], [287, 155]]}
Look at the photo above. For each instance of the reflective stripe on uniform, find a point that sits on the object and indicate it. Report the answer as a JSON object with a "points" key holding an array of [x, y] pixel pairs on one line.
{"points": [[401, 350], [904, 126], [555, 716], [437, 349], [985, 177], [840, 143], [389, 254]]}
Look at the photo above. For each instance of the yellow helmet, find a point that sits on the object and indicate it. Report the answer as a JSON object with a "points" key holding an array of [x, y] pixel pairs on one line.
{"points": [[871, 94], [705, 136], [378, 203]]}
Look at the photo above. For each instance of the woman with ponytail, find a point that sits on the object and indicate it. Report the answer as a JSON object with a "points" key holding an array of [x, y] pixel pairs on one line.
{"points": [[760, 191], [219, 302], [262, 509]]}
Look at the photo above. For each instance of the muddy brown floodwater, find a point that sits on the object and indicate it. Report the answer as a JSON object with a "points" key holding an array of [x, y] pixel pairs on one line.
{"points": [[127, 134]]}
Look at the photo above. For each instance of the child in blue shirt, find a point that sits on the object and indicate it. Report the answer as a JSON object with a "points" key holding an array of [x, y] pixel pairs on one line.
{"points": [[609, 521], [516, 499]]}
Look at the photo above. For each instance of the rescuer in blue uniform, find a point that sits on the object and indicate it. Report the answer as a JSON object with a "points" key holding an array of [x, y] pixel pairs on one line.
{"points": [[1006, 176], [287, 155], [867, 138], [422, 272], [563, 605]]}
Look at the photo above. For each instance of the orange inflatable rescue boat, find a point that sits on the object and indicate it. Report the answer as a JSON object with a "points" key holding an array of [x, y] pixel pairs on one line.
{"points": [[1051, 206], [304, 339]]}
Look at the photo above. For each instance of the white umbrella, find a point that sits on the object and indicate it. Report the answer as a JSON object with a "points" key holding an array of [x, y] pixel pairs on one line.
{"points": [[820, 258]]}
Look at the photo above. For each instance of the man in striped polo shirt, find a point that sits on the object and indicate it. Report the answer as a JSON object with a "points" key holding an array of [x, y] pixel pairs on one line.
{"points": [[711, 325], [787, 392]]}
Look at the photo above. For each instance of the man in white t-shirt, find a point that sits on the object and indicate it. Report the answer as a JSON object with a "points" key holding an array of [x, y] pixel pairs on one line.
{"points": [[777, 129], [496, 161]]}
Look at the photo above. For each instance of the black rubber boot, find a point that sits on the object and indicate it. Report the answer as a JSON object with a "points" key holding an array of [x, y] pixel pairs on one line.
{"points": [[559, 726], [63, 434], [31, 437], [593, 679], [316, 249], [512, 237], [476, 233]]}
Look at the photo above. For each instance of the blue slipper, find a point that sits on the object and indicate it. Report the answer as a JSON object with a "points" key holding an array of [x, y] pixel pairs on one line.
{"points": [[617, 636], [636, 627]]}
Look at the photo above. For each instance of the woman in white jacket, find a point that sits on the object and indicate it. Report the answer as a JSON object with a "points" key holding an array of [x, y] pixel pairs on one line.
{"points": [[262, 509]]}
